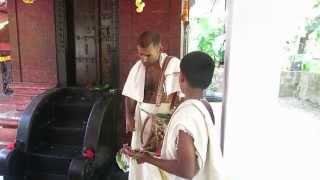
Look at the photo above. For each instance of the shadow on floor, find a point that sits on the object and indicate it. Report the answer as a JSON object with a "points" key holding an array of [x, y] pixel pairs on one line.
{"points": [[114, 173]]}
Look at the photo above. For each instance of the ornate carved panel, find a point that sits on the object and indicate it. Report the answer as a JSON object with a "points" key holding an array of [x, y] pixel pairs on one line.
{"points": [[109, 40], [61, 40], [85, 47], [95, 38]]}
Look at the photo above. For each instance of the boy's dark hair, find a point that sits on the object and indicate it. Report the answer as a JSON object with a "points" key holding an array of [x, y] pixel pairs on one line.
{"points": [[198, 68], [147, 38]]}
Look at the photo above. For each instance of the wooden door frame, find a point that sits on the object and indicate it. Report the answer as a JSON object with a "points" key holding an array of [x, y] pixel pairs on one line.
{"points": [[14, 40], [65, 44]]}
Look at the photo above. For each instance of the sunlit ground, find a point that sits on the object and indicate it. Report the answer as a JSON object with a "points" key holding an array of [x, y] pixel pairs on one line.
{"points": [[299, 140], [284, 146]]}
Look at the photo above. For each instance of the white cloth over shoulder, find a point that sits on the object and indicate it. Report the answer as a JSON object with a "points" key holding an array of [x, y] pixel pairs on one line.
{"points": [[193, 118], [134, 86]]}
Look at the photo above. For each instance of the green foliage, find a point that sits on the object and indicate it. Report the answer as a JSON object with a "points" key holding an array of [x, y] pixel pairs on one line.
{"points": [[211, 39], [104, 87], [308, 42], [317, 4], [313, 25], [311, 66], [318, 36]]}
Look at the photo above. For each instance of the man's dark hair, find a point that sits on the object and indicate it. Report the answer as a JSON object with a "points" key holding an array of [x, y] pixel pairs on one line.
{"points": [[147, 38], [198, 68]]}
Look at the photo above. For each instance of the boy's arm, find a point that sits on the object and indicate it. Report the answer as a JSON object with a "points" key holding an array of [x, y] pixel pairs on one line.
{"points": [[185, 165]]}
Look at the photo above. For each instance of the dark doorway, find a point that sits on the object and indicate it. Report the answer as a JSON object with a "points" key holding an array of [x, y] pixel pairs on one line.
{"points": [[87, 42]]}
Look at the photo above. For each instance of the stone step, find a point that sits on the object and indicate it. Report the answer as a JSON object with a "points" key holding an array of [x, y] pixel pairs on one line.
{"points": [[14, 102], [31, 86], [27, 93], [8, 134], [8, 128], [29, 89], [3, 145], [4, 107], [11, 108], [14, 99], [9, 123]]}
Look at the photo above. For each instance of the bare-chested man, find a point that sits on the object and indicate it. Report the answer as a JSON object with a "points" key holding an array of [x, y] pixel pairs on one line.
{"points": [[141, 91]]}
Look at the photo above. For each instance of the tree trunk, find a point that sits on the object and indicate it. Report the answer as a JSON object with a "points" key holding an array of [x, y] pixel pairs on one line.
{"points": [[303, 43]]}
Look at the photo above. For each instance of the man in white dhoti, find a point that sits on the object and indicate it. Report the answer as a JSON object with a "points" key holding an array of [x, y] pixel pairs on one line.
{"points": [[141, 92], [190, 148]]}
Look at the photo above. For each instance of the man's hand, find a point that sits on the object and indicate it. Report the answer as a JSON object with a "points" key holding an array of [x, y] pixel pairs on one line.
{"points": [[139, 156], [126, 149], [143, 157]]}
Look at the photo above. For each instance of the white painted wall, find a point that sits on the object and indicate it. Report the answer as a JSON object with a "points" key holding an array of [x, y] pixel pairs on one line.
{"points": [[262, 140]]}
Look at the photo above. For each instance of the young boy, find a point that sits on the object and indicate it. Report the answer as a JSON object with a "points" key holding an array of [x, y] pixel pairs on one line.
{"points": [[190, 148]]}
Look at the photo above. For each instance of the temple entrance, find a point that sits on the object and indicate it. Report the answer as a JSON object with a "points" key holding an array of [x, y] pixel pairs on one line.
{"points": [[87, 42]]}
